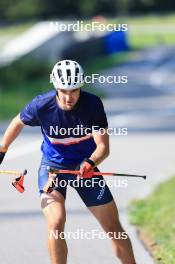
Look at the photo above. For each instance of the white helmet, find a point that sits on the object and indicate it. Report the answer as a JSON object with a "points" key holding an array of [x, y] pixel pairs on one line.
{"points": [[67, 75]]}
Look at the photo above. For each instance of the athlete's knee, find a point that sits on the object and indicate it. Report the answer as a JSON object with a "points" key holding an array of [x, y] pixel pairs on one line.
{"points": [[57, 223], [112, 226], [54, 213]]}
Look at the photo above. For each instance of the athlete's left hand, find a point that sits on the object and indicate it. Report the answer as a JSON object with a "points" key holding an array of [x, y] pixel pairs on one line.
{"points": [[86, 169]]}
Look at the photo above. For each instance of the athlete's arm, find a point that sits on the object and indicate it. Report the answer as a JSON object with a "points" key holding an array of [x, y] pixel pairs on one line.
{"points": [[12, 132], [102, 149]]}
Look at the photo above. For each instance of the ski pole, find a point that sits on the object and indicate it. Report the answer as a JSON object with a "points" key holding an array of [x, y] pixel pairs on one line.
{"points": [[97, 173]]}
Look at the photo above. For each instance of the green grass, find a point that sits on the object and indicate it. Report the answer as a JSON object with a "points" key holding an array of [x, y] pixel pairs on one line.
{"points": [[13, 100], [108, 61], [148, 19], [15, 29], [145, 39], [155, 218]]}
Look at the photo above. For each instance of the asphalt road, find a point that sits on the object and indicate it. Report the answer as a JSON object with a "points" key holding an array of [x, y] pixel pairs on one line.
{"points": [[146, 103], [23, 228]]}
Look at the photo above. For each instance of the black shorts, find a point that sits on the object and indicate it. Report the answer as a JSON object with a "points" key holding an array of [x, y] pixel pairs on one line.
{"points": [[92, 191]]}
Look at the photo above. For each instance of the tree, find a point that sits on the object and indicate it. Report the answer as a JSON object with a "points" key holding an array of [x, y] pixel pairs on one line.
{"points": [[19, 9]]}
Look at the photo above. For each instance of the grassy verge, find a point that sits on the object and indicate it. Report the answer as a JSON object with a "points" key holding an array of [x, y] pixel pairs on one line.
{"points": [[15, 29], [155, 220], [150, 30], [23, 80], [106, 62], [13, 100], [145, 41]]}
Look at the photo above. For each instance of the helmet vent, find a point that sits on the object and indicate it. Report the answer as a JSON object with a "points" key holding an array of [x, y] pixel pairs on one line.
{"points": [[77, 71], [76, 75], [53, 75], [68, 76], [60, 73]]}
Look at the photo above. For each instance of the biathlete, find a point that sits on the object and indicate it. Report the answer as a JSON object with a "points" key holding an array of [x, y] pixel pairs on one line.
{"points": [[65, 107]]}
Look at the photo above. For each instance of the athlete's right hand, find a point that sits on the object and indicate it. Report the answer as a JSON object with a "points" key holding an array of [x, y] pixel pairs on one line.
{"points": [[2, 153], [86, 168]]}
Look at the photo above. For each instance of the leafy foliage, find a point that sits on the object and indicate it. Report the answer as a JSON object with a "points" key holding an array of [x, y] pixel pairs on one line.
{"points": [[26, 9]]}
